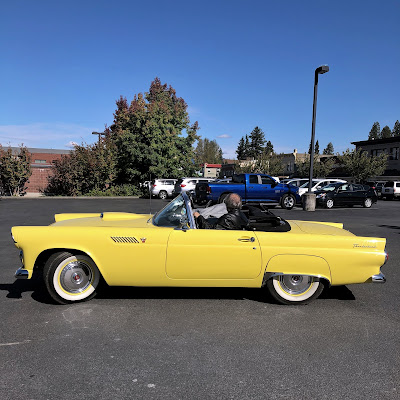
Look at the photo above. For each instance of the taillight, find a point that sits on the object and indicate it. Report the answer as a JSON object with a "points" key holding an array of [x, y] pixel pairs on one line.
{"points": [[208, 190], [154, 185], [183, 185], [386, 257]]}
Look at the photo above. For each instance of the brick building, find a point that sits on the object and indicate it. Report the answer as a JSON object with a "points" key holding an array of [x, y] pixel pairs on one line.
{"points": [[41, 162]]}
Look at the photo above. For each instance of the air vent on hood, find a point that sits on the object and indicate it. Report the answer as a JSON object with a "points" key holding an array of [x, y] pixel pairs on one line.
{"points": [[124, 239]]}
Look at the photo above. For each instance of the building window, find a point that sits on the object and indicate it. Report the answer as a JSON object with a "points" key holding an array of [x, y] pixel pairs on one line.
{"points": [[394, 153], [40, 161]]}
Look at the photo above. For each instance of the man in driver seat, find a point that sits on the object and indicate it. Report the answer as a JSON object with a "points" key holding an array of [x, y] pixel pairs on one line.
{"points": [[234, 219]]}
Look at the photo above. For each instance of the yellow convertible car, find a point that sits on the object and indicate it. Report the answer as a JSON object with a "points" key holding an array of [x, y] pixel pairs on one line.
{"points": [[293, 260]]}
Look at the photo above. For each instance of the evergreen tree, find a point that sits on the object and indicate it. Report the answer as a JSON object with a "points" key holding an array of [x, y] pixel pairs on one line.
{"points": [[208, 151], [241, 151], [257, 142], [269, 148], [316, 148], [375, 131], [396, 129], [328, 149], [246, 147], [385, 133]]}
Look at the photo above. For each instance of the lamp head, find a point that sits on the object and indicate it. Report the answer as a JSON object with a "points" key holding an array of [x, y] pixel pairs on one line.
{"points": [[322, 69]]}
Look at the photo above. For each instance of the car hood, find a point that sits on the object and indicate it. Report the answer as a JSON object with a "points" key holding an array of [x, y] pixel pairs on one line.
{"points": [[104, 219], [320, 228]]}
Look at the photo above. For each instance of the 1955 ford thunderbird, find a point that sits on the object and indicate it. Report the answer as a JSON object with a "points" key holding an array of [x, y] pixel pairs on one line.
{"points": [[293, 260]]}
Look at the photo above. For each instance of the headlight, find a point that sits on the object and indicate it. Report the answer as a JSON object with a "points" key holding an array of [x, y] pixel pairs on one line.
{"points": [[321, 195]]}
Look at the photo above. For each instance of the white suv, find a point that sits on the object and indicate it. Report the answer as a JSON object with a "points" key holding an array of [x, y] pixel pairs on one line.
{"points": [[317, 184], [189, 184], [391, 190], [162, 188]]}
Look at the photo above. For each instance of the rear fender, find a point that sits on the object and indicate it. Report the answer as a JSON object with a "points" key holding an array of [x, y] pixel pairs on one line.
{"points": [[298, 264]]}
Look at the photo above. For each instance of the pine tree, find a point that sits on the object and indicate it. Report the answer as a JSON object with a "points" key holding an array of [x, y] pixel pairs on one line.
{"points": [[385, 133], [375, 131], [396, 129], [328, 149], [240, 151], [246, 147], [208, 151], [316, 148], [257, 142], [269, 148]]}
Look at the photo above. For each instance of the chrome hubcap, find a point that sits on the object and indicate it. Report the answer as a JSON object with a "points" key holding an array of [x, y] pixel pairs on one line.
{"points": [[76, 277], [295, 284], [288, 201], [368, 202], [329, 203]]}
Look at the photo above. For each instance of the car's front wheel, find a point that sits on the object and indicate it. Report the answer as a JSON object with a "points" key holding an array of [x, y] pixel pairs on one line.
{"points": [[71, 278], [329, 203], [288, 201], [294, 289], [367, 202]]}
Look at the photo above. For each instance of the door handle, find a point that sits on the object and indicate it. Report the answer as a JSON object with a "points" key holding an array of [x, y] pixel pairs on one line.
{"points": [[247, 239]]}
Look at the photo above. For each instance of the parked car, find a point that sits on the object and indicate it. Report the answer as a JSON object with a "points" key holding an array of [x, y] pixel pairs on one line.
{"points": [[162, 188], [254, 188], [295, 181], [318, 184], [391, 190], [346, 194], [189, 184], [377, 186], [293, 260]]}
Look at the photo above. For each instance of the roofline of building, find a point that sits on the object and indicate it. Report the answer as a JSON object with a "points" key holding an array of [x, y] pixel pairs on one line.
{"points": [[377, 141], [42, 151]]}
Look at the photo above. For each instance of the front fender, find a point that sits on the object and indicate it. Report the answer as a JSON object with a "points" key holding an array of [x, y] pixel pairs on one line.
{"points": [[299, 264]]}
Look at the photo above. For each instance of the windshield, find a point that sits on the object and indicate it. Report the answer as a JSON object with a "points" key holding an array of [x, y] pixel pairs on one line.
{"points": [[173, 214], [304, 185]]}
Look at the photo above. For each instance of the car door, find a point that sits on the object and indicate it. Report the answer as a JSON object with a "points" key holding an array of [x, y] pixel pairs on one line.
{"points": [[342, 194], [213, 254], [357, 194], [254, 188]]}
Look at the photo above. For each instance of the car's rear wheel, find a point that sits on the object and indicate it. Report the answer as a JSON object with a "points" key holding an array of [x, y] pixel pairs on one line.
{"points": [[367, 202], [163, 194], [294, 289], [71, 277], [329, 203], [288, 201]]}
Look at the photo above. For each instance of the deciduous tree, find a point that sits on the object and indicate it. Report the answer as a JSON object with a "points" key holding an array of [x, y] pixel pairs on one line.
{"points": [[15, 170], [208, 151], [361, 166], [322, 167]]}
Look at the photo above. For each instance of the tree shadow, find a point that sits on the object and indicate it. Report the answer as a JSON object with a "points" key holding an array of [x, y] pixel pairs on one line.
{"points": [[395, 227]]}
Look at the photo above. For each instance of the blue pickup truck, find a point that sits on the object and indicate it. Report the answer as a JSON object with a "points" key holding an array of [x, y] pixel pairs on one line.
{"points": [[253, 188]]}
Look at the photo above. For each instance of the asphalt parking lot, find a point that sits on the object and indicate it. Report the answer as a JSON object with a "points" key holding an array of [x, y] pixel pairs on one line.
{"points": [[178, 343]]}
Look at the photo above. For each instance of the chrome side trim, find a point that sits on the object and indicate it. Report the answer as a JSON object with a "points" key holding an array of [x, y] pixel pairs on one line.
{"points": [[380, 278], [21, 273]]}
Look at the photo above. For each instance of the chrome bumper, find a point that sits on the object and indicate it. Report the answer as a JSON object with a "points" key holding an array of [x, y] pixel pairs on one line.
{"points": [[21, 273], [380, 278]]}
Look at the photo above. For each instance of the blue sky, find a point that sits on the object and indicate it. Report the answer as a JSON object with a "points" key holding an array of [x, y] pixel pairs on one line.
{"points": [[237, 64]]}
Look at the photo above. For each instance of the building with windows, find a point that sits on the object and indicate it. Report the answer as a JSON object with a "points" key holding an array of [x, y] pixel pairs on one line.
{"points": [[210, 170], [41, 163], [389, 146]]}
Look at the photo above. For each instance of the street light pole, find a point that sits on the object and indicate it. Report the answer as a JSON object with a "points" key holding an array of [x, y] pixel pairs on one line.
{"points": [[309, 198], [100, 134]]}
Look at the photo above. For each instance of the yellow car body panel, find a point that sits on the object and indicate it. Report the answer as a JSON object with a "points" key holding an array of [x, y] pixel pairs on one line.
{"points": [[130, 251]]}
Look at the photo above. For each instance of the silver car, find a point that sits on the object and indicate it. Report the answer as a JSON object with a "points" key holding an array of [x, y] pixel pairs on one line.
{"points": [[162, 188]]}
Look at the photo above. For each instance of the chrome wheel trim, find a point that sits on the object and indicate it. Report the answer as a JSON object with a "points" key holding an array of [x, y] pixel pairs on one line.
{"points": [[75, 277], [295, 287], [288, 201], [329, 203], [63, 273], [162, 195], [368, 203]]}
